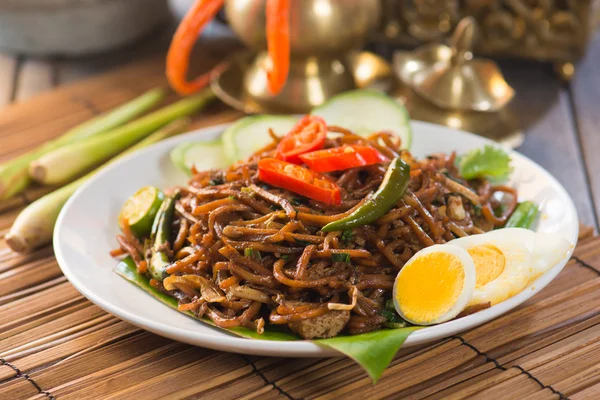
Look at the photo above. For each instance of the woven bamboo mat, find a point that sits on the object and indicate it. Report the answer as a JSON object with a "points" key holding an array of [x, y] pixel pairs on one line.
{"points": [[55, 344]]}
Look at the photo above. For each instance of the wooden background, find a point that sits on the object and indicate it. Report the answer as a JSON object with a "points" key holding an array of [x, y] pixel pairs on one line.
{"points": [[54, 344]]}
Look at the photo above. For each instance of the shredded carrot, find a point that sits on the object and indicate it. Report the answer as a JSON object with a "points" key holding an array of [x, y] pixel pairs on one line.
{"points": [[232, 280], [117, 252], [142, 267], [154, 283]]}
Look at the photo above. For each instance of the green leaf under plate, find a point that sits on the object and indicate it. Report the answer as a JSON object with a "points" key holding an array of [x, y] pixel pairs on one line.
{"points": [[373, 351]]}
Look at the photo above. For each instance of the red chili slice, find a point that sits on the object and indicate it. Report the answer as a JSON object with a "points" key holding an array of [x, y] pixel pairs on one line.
{"points": [[298, 180], [341, 158], [307, 135]]}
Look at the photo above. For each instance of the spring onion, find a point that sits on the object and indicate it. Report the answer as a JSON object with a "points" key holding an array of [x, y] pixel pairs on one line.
{"points": [[35, 224], [63, 164], [14, 175], [524, 215]]}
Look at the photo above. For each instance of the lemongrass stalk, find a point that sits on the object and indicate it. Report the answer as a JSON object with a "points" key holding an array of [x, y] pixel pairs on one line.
{"points": [[14, 174], [35, 224], [65, 163]]}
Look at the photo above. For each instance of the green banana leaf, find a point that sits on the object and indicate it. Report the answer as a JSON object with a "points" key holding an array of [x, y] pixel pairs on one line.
{"points": [[373, 351]]}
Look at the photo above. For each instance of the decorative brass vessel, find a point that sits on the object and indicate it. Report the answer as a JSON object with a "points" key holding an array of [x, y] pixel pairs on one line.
{"points": [[447, 85], [323, 37]]}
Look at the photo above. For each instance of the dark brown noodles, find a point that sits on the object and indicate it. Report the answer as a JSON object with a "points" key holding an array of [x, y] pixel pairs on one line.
{"points": [[295, 274]]}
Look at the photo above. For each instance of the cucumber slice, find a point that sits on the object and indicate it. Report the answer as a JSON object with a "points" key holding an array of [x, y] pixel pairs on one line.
{"points": [[177, 157], [367, 111], [140, 209], [250, 134], [202, 155]]}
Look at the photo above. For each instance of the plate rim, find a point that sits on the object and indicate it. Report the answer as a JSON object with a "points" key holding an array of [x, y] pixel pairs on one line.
{"points": [[301, 348]]}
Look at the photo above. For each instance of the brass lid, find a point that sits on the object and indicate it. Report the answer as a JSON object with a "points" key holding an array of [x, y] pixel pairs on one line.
{"points": [[449, 76]]}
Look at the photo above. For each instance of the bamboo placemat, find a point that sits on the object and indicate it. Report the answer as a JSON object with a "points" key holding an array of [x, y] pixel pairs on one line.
{"points": [[55, 344]]}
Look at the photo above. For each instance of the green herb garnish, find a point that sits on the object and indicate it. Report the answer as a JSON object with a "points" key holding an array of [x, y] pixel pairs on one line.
{"points": [[341, 257], [347, 235], [392, 316], [491, 163], [253, 254]]}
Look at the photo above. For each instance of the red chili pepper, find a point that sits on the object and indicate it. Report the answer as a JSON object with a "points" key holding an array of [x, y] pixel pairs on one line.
{"points": [[278, 43], [298, 180], [341, 158], [183, 42], [307, 135]]}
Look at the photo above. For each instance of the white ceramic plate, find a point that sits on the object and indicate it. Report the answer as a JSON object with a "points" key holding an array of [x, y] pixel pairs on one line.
{"points": [[87, 226]]}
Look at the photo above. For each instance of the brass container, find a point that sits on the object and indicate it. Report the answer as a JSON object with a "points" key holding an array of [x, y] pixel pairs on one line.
{"points": [[543, 30], [323, 34], [447, 85]]}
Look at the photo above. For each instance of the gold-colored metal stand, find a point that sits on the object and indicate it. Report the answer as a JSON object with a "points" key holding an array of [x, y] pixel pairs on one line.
{"points": [[324, 35]]}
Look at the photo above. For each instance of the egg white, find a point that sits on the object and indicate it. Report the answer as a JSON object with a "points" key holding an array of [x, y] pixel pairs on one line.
{"points": [[528, 255]]}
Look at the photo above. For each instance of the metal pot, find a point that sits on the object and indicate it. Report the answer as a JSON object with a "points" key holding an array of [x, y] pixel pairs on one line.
{"points": [[76, 27]]}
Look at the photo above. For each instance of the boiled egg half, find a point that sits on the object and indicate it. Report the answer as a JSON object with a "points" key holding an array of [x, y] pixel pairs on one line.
{"points": [[435, 285], [440, 281]]}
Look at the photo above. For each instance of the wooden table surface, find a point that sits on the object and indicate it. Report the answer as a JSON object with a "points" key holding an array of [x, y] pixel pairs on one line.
{"points": [[560, 120]]}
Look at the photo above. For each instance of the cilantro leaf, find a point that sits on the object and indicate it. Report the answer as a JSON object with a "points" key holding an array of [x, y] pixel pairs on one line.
{"points": [[491, 163]]}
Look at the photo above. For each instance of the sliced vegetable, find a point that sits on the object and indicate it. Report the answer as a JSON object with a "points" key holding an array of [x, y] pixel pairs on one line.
{"points": [[250, 134], [366, 111], [392, 188], [341, 257], [35, 224], [201, 155], [278, 43], [524, 215], [373, 351], [61, 165], [184, 39], [307, 135], [161, 238], [140, 209], [14, 175], [491, 163], [298, 180], [341, 158], [177, 157]]}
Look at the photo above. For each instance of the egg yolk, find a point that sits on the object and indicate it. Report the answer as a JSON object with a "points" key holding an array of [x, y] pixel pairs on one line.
{"points": [[429, 286], [489, 263]]}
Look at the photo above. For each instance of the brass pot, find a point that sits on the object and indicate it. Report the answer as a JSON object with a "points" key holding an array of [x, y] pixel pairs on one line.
{"points": [[322, 35]]}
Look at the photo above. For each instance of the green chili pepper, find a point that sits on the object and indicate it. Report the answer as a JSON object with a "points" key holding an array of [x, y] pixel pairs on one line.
{"points": [[390, 191], [524, 215], [161, 235]]}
